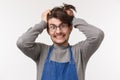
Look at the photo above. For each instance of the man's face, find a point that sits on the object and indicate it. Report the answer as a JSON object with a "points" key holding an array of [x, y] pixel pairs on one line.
{"points": [[58, 31]]}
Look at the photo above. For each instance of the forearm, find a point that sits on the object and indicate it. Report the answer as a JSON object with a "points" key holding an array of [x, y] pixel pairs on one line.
{"points": [[26, 42], [91, 32], [32, 33]]}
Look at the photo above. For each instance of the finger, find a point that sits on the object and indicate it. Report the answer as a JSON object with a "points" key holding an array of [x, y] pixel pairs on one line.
{"points": [[70, 12]]}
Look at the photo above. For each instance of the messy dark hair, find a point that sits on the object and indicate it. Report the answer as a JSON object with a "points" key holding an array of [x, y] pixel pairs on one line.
{"points": [[61, 14]]}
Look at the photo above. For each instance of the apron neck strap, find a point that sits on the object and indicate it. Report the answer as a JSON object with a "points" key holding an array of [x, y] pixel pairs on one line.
{"points": [[49, 53], [71, 54]]}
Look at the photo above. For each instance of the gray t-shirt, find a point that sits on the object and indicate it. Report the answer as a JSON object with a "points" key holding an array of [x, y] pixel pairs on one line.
{"points": [[82, 51]]}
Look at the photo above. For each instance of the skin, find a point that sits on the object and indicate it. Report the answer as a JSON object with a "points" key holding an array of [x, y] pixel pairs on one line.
{"points": [[59, 37]]}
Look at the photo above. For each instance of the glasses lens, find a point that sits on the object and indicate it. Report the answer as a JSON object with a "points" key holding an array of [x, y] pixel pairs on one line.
{"points": [[61, 27]]}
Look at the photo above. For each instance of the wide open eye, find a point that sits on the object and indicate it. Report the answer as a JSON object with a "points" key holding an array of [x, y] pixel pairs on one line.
{"points": [[63, 26], [52, 27]]}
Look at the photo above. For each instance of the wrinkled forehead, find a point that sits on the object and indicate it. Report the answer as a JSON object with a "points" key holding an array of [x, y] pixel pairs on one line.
{"points": [[54, 21]]}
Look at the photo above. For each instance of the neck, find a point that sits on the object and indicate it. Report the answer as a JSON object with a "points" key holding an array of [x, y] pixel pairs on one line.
{"points": [[64, 45]]}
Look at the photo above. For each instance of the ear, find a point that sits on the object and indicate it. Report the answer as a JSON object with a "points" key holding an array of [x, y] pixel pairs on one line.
{"points": [[71, 28], [48, 31]]}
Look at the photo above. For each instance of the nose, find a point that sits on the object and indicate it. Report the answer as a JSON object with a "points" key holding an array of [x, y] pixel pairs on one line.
{"points": [[58, 30]]}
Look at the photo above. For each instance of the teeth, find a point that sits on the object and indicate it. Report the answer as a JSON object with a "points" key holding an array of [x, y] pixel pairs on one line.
{"points": [[59, 36]]}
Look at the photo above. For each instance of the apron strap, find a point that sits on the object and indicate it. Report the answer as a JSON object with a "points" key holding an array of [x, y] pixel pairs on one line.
{"points": [[71, 55], [49, 53]]}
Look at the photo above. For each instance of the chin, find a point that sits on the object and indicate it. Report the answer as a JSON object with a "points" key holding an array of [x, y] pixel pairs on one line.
{"points": [[60, 42]]}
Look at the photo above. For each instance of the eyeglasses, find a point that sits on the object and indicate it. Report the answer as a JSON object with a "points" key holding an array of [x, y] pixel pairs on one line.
{"points": [[62, 26]]}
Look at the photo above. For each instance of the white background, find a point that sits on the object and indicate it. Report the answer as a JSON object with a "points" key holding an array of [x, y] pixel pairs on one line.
{"points": [[16, 16]]}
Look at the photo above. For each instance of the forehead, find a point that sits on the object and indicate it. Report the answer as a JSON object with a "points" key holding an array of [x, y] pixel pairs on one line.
{"points": [[54, 21]]}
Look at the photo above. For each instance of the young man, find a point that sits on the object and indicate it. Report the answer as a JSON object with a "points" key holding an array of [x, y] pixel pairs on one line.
{"points": [[60, 61]]}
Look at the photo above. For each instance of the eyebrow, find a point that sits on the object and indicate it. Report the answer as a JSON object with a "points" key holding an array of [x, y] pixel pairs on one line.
{"points": [[55, 25]]}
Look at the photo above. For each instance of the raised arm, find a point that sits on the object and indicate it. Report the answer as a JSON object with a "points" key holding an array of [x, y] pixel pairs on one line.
{"points": [[94, 37], [26, 43]]}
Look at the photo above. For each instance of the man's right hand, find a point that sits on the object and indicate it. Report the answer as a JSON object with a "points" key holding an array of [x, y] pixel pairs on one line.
{"points": [[44, 15]]}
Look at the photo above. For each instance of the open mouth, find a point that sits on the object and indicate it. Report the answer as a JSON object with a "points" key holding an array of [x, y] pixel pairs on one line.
{"points": [[59, 36]]}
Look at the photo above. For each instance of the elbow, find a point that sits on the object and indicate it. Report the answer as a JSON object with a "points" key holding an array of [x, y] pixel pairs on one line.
{"points": [[100, 36], [23, 43], [19, 43]]}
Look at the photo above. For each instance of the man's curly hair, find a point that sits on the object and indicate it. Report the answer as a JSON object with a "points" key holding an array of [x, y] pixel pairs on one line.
{"points": [[61, 14]]}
